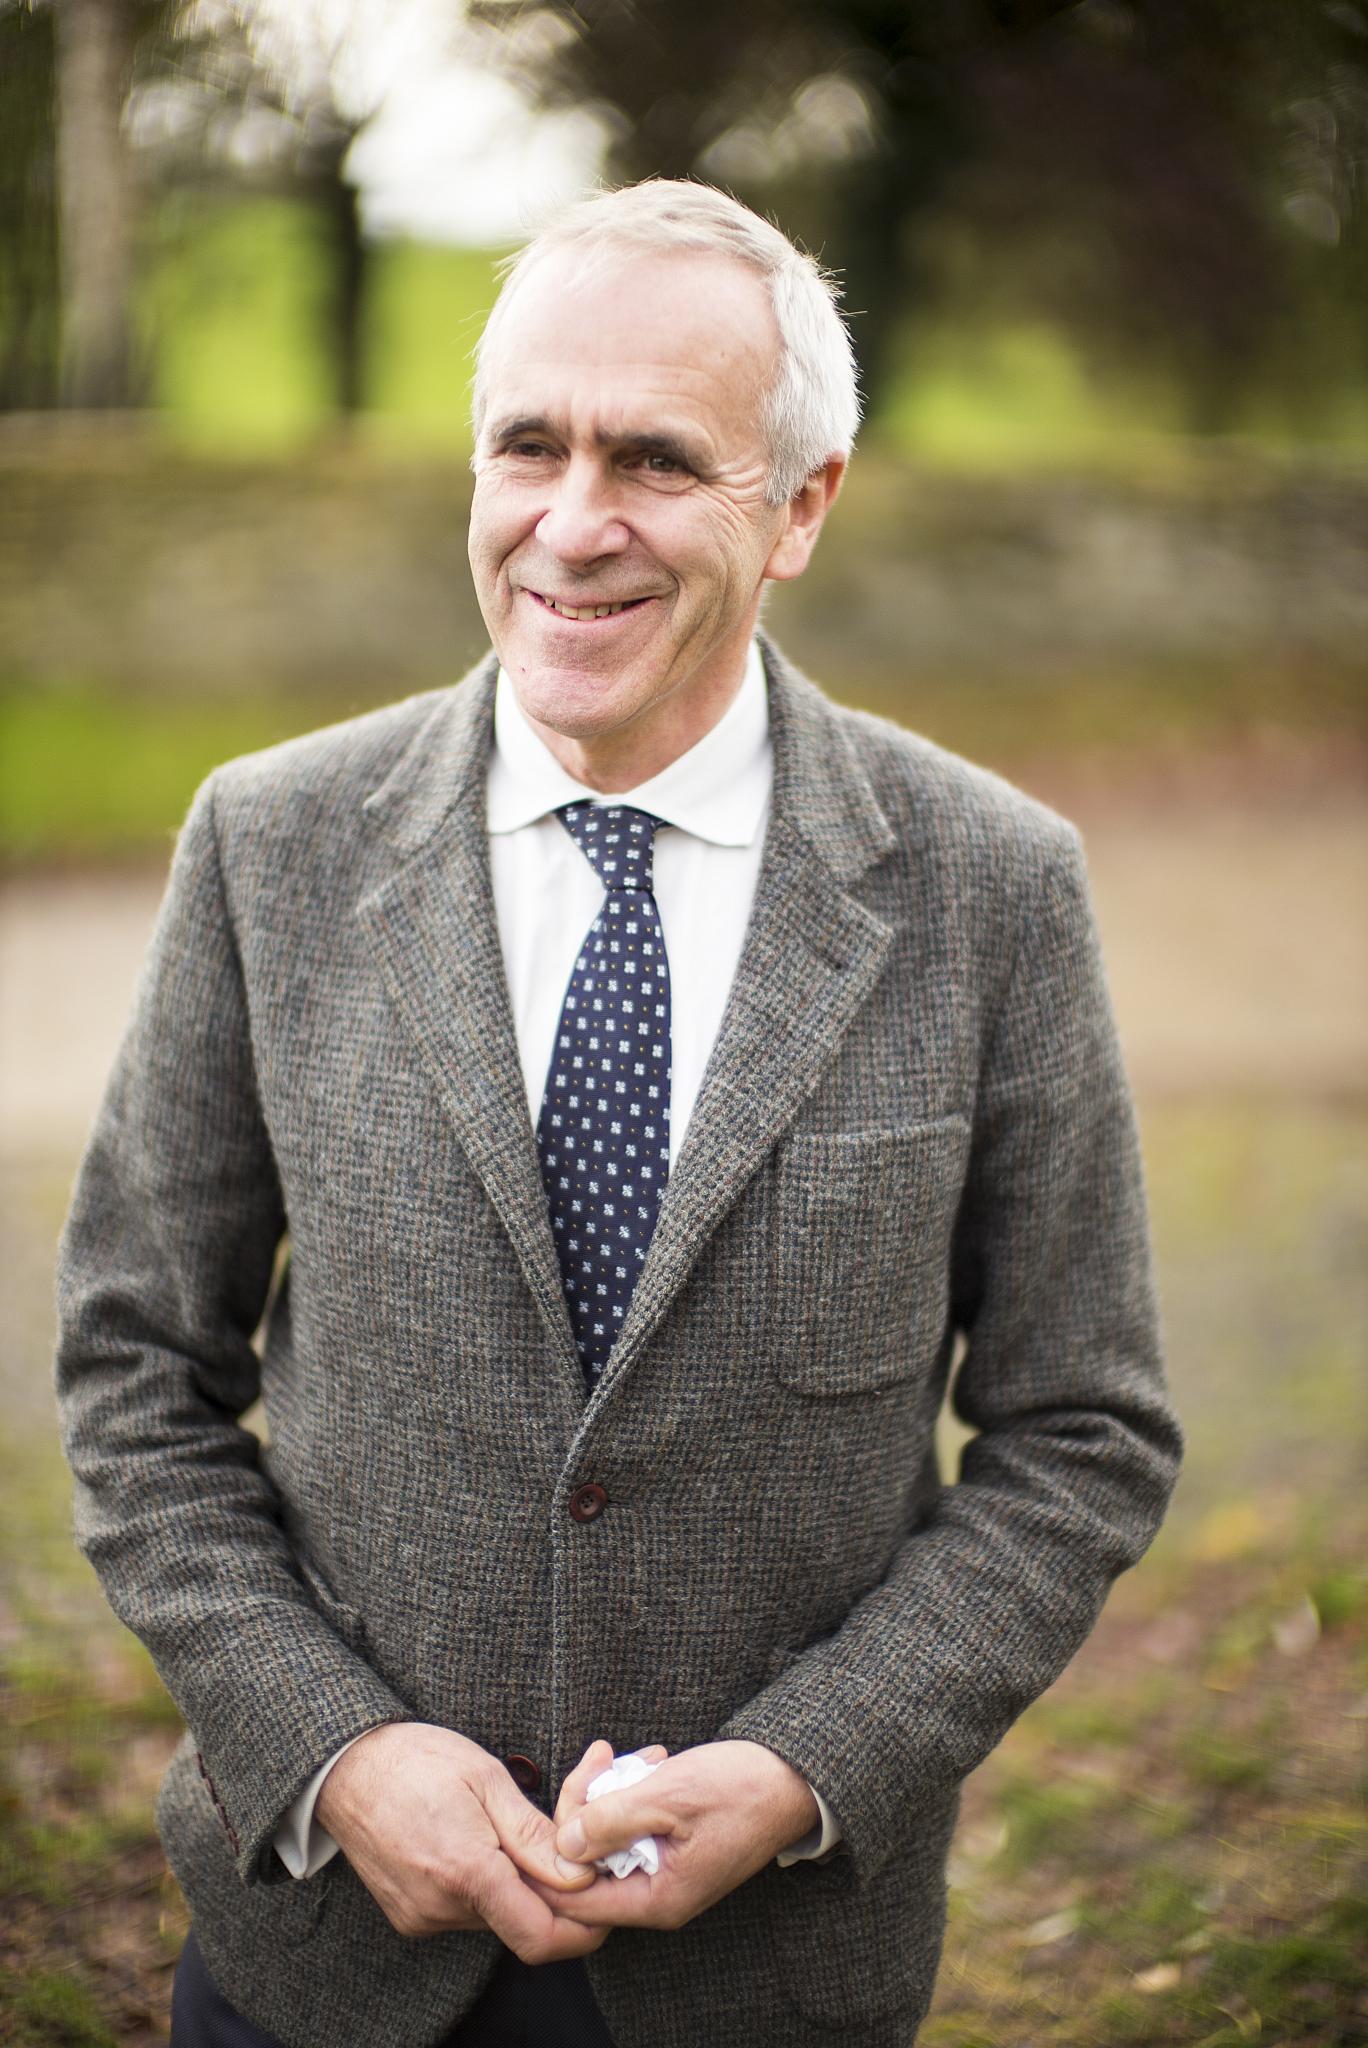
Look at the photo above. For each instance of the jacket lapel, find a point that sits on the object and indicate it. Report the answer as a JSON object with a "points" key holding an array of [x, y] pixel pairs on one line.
{"points": [[812, 956], [434, 928]]}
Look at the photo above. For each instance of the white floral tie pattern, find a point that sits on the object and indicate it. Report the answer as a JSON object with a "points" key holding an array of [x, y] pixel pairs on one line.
{"points": [[603, 1135]]}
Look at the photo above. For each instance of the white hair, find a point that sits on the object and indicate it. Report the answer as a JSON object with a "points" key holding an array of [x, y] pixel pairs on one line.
{"points": [[811, 409]]}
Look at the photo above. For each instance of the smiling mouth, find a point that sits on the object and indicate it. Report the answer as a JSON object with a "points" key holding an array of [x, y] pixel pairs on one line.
{"points": [[587, 611]]}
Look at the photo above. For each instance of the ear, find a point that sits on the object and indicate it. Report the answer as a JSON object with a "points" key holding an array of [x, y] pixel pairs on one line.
{"points": [[803, 516]]}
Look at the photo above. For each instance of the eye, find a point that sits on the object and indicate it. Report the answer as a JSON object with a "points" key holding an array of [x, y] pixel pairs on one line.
{"points": [[525, 451], [660, 466]]}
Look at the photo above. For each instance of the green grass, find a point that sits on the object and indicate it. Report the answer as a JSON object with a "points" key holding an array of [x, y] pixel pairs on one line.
{"points": [[1021, 396], [231, 313], [89, 771], [49, 2006], [85, 772], [234, 317], [428, 308]]}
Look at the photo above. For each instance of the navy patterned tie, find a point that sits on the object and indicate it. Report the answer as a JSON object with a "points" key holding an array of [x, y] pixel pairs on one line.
{"points": [[603, 1134]]}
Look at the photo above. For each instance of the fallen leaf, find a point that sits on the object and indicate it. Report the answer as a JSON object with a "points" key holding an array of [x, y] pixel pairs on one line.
{"points": [[1054, 1927], [1248, 2022], [1158, 1977], [1297, 1631]]}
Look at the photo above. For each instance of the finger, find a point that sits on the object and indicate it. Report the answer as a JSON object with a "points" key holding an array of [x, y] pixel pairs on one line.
{"points": [[574, 1791], [569, 1940], [523, 1919], [526, 1835], [613, 1822], [509, 1906], [612, 1902], [596, 1759]]}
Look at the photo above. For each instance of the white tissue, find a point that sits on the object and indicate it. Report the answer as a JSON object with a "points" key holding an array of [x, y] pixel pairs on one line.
{"points": [[645, 1854]]}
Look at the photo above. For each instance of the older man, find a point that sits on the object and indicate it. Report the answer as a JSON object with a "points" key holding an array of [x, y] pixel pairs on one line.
{"points": [[652, 1071]]}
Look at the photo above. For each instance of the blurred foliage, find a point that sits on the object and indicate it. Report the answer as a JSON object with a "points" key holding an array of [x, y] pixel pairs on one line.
{"points": [[1163, 194], [1176, 184]]}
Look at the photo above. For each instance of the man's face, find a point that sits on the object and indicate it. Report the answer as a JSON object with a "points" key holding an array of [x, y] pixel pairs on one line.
{"points": [[622, 465]]}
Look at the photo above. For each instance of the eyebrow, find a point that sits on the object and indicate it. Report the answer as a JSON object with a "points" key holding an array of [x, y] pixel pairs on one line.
{"points": [[688, 454]]}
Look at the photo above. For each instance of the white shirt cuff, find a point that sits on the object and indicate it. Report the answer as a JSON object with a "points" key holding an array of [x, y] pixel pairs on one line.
{"points": [[301, 1843], [818, 1841]]}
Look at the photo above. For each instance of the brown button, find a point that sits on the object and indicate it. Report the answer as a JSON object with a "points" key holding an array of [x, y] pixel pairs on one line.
{"points": [[588, 1501], [524, 1773]]}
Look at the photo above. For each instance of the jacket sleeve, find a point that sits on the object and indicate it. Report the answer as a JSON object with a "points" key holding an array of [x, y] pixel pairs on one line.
{"points": [[1077, 1446], [164, 1271]]}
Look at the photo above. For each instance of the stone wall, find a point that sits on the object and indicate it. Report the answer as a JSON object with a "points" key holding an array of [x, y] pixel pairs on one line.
{"points": [[122, 562]]}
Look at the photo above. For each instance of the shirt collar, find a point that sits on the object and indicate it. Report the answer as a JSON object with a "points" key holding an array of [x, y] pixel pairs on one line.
{"points": [[718, 790]]}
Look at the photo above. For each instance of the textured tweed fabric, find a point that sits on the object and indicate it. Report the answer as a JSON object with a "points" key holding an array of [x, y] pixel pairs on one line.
{"points": [[914, 1128]]}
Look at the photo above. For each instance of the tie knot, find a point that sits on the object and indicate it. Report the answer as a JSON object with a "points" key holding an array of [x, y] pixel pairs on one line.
{"points": [[617, 841]]}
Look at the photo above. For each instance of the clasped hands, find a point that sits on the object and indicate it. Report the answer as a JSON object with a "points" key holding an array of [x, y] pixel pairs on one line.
{"points": [[440, 1835]]}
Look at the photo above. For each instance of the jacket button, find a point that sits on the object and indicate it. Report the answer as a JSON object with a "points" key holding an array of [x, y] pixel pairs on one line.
{"points": [[524, 1773], [588, 1501]]}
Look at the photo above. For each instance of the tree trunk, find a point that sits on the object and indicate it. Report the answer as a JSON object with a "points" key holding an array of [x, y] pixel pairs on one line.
{"points": [[28, 213], [95, 44], [349, 293]]}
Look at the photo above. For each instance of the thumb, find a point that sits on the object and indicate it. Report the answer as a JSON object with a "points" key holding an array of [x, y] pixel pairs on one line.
{"points": [[528, 1836], [613, 1821]]}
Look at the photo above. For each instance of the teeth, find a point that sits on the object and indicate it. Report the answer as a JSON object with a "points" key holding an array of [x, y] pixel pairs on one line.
{"points": [[586, 611]]}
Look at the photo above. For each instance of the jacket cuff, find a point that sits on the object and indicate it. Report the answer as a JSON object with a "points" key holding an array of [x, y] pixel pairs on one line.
{"points": [[853, 1759]]}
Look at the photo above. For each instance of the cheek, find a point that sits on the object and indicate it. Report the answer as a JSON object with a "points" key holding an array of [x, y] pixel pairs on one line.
{"points": [[733, 553], [494, 527]]}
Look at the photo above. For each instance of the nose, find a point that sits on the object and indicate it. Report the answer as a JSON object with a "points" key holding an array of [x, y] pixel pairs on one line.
{"points": [[581, 522]]}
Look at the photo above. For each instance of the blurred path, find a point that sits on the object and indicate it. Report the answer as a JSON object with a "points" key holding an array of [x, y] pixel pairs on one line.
{"points": [[1237, 938], [70, 948]]}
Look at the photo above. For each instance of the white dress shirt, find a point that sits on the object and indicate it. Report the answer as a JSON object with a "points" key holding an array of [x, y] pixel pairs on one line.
{"points": [[546, 895]]}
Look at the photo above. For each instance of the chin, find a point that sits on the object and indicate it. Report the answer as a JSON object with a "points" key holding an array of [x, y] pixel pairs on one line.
{"points": [[575, 703]]}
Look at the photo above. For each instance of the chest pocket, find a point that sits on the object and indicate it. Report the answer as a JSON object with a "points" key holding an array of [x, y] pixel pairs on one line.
{"points": [[863, 1222]]}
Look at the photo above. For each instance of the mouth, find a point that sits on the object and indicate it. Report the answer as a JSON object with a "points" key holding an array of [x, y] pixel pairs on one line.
{"points": [[587, 614]]}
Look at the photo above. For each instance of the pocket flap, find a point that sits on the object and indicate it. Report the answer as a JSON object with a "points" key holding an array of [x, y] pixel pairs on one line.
{"points": [[864, 1221]]}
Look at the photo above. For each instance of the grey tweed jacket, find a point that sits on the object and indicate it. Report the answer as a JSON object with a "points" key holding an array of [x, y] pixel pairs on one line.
{"points": [[914, 1128]]}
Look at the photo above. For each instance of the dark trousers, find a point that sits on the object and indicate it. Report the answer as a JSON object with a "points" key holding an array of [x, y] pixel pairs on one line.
{"points": [[550, 2006]]}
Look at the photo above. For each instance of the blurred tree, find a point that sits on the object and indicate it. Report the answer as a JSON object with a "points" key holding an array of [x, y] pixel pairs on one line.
{"points": [[105, 102], [280, 107], [869, 93], [1178, 183], [273, 97], [29, 312], [1158, 175], [98, 46], [96, 40], [69, 198]]}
